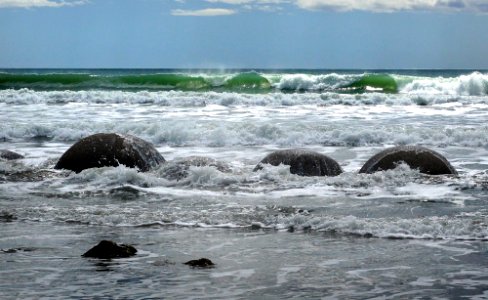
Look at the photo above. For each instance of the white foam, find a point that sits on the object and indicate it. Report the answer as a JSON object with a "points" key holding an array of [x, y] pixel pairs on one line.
{"points": [[237, 275], [308, 82], [474, 84], [223, 127], [420, 228], [108, 177]]}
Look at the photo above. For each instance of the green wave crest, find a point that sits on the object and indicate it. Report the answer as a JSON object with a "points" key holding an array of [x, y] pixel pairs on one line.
{"points": [[239, 82], [373, 82]]}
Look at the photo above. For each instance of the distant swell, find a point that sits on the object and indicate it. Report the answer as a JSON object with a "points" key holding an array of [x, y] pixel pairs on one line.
{"points": [[170, 81]]}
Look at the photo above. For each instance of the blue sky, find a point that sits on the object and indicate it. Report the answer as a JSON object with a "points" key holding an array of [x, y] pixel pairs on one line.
{"points": [[368, 34]]}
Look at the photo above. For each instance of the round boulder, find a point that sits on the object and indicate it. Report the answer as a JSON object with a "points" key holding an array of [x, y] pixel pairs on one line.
{"points": [[110, 149], [416, 157], [303, 162], [179, 168]]}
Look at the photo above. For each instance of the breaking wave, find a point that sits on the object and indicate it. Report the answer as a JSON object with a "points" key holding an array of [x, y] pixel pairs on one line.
{"points": [[472, 84]]}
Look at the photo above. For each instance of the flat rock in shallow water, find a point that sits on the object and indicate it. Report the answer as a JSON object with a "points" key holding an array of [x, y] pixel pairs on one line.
{"points": [[200, 263], [16, 250], [108, 249], [9, 155], [110, 150], [303, 162], [27, 175], [416, 157]]}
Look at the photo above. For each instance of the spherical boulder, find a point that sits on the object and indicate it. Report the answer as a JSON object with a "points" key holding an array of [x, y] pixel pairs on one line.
{"points": [[416, 157], [303, 162], [110, 149]]}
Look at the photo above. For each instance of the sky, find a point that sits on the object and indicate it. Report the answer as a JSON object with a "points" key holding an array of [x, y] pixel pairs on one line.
{"points": [[310, 34]]}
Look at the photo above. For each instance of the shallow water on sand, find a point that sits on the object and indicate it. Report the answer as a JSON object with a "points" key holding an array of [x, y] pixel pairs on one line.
{"points": [[249, 264]]}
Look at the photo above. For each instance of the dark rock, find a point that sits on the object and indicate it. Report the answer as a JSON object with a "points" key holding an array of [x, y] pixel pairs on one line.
{"points": [[303, 162], [416, 157], [5, 216], [9, 250], [200, 263], [15, 250], [108, 249], [110, 149], [178, 169], [10, 155]]}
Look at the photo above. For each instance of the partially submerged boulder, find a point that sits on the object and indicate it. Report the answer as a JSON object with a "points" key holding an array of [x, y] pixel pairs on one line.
{"points": [[5, 216], [110, 149], [108, 249], [416, 157], [303, 162], [179, 168], [9, 155]]}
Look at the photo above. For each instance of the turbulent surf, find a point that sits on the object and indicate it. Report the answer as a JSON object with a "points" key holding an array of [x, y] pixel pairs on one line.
{"points": [[270, 232]]}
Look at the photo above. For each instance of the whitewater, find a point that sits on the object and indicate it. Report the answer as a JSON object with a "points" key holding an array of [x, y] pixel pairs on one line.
{"points": [[394, 234]]}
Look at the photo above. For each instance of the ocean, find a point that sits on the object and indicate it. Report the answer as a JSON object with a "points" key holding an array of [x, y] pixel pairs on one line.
{"points": [[395, 234]]}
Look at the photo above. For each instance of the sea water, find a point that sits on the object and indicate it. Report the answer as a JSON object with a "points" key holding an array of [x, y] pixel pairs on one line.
{"points": [[272, 235]]}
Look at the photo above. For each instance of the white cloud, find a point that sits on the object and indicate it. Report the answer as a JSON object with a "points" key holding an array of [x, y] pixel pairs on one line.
{"points": [[234, 2], [263, 5], [238, 2], [39, 3], [395, 5], [208, 12], [480, 6]]}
